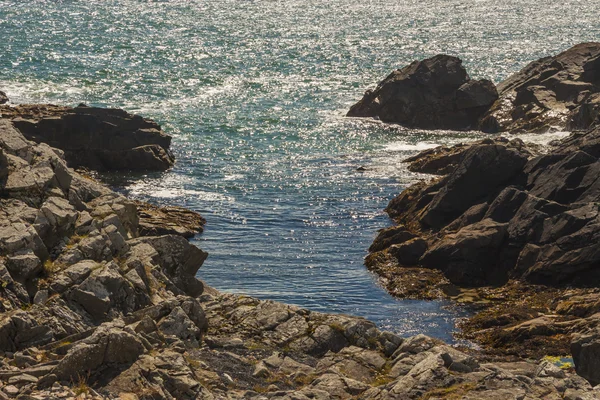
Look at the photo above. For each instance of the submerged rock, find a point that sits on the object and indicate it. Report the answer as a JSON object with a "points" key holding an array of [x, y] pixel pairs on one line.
{"points": [[435, 93], [101, 139], [553, 93]]}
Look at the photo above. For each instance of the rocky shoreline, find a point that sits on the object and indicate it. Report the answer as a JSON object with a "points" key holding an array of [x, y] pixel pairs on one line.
{"points": [[94, 309], [100, 299], [511, 228]]}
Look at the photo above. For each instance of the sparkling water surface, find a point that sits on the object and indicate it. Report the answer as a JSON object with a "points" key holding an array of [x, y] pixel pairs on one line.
{"points": [[254, 94]]}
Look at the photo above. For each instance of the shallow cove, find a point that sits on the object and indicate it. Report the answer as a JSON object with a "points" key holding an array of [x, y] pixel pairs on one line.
{"points": [[253, 93]]}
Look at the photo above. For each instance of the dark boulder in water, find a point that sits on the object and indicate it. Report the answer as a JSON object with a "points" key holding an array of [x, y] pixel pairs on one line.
{"points": [[3, 98], [102, 139], [560, 92], [435, 93]]}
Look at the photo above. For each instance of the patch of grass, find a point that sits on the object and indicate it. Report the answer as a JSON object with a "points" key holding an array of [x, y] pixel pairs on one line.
{"points": [[373, 342], [260, 388], [454, 392], [52, 267], [81, 386], [192, 361], [256, 346], [279, 378], [562, 362], [304, 379], [74, 240], [381, 379], [43, 356], [337, 327]]}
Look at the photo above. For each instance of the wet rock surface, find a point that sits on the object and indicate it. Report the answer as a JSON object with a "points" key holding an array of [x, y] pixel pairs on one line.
{"points": [[435, 93], [553, 93], [100, 139], [509, 229]]}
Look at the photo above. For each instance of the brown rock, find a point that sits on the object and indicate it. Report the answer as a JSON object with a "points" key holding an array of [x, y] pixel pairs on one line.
{"points": [[97, 138], [435, 93], [169, 220], [559, 92]]}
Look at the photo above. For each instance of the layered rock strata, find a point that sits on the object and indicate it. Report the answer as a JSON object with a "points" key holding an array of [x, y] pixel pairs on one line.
{"points": [[100, 139]]}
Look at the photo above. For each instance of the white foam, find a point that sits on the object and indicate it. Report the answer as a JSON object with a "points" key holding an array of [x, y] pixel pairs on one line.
{"points": [[405, 146]]}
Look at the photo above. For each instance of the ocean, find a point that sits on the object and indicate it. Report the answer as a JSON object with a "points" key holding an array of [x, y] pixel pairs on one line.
{"points": [[254, 94]]}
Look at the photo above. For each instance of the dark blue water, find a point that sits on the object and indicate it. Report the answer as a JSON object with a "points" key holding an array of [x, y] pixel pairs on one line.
{"points": [[254, 94]]}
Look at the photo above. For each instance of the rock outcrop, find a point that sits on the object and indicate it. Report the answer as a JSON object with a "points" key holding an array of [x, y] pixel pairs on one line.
{"points": [[100, 139], [154, 221], [560, 92], [83, 294], [511, 229], [435, 93], [3, 98]]}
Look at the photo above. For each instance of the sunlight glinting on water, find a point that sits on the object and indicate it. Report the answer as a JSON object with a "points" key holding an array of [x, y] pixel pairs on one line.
{"points": [[254, 94]]}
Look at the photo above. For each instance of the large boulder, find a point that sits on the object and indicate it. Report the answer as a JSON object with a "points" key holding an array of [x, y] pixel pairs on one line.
{"points": [[586, 355], [435, 93], [559, 92], [102, 139]]}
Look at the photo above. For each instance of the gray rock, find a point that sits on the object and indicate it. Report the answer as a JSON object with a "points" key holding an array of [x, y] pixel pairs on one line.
{"points": [[585, 349]]}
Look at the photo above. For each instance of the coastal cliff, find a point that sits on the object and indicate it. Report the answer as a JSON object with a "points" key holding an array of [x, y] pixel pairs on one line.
{"points": [[93, 307]]}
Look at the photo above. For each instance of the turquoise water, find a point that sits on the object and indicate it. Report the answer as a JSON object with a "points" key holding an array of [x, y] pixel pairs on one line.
{"points": [[254, 94]]}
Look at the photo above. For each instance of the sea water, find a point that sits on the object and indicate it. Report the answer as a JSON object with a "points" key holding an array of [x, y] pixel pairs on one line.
{"points": [[254, 93]]}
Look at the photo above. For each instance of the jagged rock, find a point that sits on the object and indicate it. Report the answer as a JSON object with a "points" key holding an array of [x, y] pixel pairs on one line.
{"points": [[96, 138], [586, 355], [104, 288], [484, 170], [19, 330], [527, 227], [443, 160], [179, 259], [3, 98], [542, 231], [551, 93], [435, 93], [178, 324], [468, 257]]}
